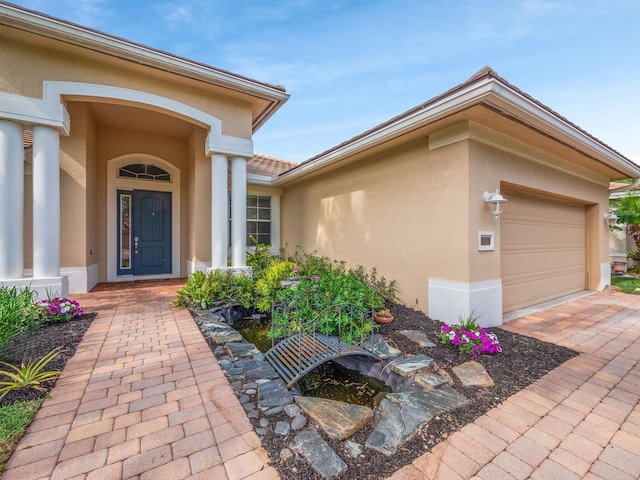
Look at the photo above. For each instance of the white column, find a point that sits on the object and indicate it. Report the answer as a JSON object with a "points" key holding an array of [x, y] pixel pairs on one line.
{"points": [[219, 211], [239, 212], [46, 202], [11, 200]]}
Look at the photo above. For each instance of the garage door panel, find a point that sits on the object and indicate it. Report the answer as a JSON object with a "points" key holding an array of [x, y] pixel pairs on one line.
{"points": [[542, 250]]}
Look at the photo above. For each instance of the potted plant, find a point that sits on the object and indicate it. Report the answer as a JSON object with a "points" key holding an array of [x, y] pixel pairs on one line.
{"points": [[383, 316]]}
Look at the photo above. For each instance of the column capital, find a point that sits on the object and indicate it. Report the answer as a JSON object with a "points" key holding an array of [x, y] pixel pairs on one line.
{"points": [[32, 111], [227, 145]]}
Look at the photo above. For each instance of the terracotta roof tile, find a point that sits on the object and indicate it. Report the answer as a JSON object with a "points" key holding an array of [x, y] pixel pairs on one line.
{"points": [[267, 165]]}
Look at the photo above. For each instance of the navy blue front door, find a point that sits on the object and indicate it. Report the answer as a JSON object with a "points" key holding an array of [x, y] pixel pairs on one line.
{"points": [[150, 233]]}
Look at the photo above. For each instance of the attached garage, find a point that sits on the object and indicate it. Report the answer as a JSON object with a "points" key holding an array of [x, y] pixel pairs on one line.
{"points": [[543, 250]]}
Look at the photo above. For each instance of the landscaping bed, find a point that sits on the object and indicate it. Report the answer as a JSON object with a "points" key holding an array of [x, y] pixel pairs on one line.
{"points": [[27, 347], [523, 360]]}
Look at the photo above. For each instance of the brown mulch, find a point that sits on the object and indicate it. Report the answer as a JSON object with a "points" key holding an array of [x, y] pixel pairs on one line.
{"points": [[522, 361], [34, 344]]}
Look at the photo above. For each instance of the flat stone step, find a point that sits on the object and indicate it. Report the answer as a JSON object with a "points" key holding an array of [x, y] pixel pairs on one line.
{"points": [[429, 380], [273, 393], [339, 420], [394, 425], [318, 453], [379, 347], [221, 332], [419, 337], [410, 366], [436, 401], [473, 373], [242, 349]]}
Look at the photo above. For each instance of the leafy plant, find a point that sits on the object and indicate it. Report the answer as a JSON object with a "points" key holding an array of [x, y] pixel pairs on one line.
{"points": [[260, 258], [18, 312], [313, 296], [30, 375], [216, 288], [56, 310], [469, 337], [268, 284]]}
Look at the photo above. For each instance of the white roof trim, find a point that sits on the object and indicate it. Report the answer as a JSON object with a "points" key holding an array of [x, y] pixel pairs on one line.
{"points": [[490, 91]]}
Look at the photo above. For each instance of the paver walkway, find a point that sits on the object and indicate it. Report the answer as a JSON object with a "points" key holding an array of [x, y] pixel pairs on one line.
{"points": [[144, 398], [580, 421]]}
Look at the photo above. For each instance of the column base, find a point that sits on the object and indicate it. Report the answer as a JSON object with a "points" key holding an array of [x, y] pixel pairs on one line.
{"points": [[43, 287], [450, 301]]}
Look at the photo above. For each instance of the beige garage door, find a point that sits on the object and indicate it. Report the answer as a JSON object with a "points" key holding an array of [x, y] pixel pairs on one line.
{"points": [[543, 250]]}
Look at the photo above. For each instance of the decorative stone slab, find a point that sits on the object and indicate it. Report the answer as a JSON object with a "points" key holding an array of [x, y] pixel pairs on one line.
{"points": [[339, 420], [429, 380], [394, 425], [411, 365], [473, 374], [209, 316], [221, 332], [418, 337], [436, 401], [378, 346], [273, 393], [260, 370], [242, 349], [318, 453]]}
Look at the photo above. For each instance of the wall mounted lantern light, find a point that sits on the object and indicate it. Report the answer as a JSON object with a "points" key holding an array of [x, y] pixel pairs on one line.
{"points": [[610, 218], [495, 201]]}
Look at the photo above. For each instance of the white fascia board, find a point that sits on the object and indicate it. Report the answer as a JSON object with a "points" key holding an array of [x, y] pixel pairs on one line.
{"points": [[505, 98], [121, 48], [32, 111], [255, 179]]}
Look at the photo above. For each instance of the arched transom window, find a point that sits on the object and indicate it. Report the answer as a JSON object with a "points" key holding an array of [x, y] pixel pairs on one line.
{"points": [[144, 171]]}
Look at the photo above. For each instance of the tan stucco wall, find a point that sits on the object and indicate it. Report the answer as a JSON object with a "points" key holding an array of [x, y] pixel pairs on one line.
{"points": [[415, 214], [389, 211], [26, 67]]}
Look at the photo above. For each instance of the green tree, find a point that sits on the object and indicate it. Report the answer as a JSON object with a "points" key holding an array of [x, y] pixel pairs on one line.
{"points": [[627, 209]]}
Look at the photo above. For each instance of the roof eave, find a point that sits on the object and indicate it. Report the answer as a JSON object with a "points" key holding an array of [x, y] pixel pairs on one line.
{"points": [[488, 90], [50, 27]]}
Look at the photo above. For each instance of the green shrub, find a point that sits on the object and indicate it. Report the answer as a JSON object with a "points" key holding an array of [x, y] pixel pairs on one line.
{"points": [[18, 312], [205, 290], [314, 296], [259, 259], [268, 285]]}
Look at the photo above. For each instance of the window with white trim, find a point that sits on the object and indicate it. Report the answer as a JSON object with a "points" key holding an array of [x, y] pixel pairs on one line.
{"points": [[258, 219]]}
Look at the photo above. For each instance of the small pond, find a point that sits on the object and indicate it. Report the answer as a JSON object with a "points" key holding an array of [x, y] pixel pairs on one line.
{"points": [[329, 380]]}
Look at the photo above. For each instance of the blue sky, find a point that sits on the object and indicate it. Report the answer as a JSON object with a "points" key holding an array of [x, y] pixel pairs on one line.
{"points": [[350, 65]]}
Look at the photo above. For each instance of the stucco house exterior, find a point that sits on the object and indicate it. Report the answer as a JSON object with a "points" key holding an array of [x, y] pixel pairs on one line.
{"points": [[138, 156]]}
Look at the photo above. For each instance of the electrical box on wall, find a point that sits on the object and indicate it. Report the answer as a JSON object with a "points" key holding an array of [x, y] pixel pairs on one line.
{"points": [[486, 241]]}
